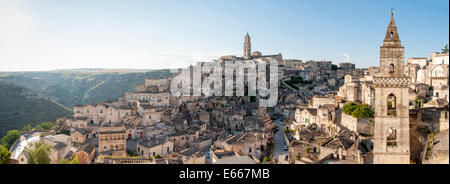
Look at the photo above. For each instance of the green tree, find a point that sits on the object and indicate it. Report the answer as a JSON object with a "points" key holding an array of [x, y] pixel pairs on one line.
{"points": [[9, 138], [363, 111], [46, 125], [349, 108], [38, 153], [74, 160], [27, 128], [4, 155], [445, 49]]}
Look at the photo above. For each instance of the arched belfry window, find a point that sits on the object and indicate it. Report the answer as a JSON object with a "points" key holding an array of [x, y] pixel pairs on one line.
{"points": [[391, 137], [391, 105], [392, 35], [391, 69]]}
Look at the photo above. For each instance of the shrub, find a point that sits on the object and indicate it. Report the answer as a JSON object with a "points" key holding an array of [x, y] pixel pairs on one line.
{"points": [[363, 111], [349, 108], [46, 125], [287, 130], [4, 155], [9, 138], [267, 159], [38, 153], [358, 111]]}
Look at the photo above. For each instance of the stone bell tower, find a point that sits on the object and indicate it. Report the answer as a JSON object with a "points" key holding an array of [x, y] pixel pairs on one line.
{"points": [[391, 136], [247, 48]]}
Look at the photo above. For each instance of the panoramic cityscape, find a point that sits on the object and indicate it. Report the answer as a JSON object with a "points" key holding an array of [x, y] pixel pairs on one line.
{"points": [[245, 107]]}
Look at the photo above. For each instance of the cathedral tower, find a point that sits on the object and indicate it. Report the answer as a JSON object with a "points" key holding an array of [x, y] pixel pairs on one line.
{"points": [[247, 47], [391, 136]]}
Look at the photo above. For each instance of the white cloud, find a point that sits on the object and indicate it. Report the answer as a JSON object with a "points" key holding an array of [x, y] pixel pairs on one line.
{"points": [[347, 58]]}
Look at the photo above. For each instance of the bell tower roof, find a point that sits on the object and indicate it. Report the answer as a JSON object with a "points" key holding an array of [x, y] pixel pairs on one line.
{"points": [[392, 38]]}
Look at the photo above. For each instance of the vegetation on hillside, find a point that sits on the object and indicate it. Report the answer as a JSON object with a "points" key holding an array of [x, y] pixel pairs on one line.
{"points": [[82, 87], [8, 140], [20, 106], [4, 155]]}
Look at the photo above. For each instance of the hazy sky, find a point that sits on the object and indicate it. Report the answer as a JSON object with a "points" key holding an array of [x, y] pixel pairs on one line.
{"points": [[64, 34]]}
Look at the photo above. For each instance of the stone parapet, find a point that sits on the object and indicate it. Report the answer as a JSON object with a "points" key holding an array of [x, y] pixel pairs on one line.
{"points": [[392, 82]]}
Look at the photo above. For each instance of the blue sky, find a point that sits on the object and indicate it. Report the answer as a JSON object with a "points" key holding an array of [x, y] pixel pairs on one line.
{"points": [[63, 34]]}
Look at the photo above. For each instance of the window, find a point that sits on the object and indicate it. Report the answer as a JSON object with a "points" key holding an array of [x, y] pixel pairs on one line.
{"points": [[391, 105], [391, 69], [392, 35], [391, 137]]}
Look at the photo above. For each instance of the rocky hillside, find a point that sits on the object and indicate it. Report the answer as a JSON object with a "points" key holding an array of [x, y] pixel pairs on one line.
{"points": [[82, 86], [20, 106]]}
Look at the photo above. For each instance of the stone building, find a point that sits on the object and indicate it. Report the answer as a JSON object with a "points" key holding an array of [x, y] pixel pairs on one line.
{"points": [[249, 55], [79, 135], [60, 146], [112, 138], [357, 89], [391, 136], [86, 154], [323, 100], [154, 147]]}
